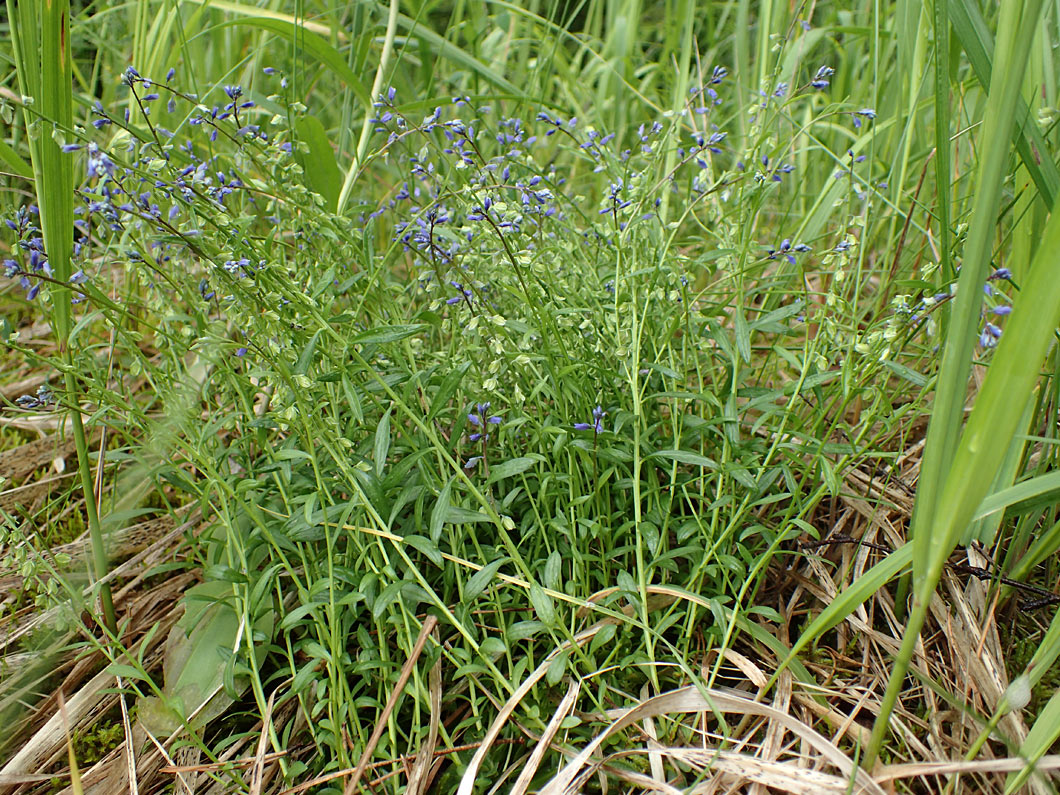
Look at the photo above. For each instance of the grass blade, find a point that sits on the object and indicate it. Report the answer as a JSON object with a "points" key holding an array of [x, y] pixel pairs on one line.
{"points": [[43, 32], [1040, 739], [947, 494], [971, 29]]}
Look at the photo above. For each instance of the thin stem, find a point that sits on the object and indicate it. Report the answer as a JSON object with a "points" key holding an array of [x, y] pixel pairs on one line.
{"points": [[366, 128]]}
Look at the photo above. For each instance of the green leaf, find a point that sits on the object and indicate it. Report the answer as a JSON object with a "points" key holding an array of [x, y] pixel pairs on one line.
{"points": [[628, 584], [224, 573], [197, 652], [543, 606], [684, 457], [446, 390], [513, 466], [384, 334], [306, 676], [558, 667], [382, 443], [353, 398], [603, 638], [306, 357], [742, 334], [492, 648], [480, 580], [553, 570], [295, 616], [390, 594], [458, 515], [772, 322], [318, 163], [441, 511], [521, 630], [425, 546], [906, 373]]}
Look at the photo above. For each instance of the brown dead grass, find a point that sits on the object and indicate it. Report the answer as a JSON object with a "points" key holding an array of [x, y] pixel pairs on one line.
{"points": [[794, 737]]}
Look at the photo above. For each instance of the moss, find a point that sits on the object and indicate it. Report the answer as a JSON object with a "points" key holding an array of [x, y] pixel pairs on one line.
{"points": [[97, 742]]}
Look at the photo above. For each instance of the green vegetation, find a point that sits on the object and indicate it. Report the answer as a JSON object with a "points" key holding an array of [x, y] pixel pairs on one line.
{"points": [[443, 377]]}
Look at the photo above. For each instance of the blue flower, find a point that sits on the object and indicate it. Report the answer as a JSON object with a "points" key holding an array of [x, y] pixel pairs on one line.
{"points": [[597, 423], [42, 399], [480, 420], [465, 295], [787, 250], [857, 115], [989, 336], [712, 142], [820, 80]]}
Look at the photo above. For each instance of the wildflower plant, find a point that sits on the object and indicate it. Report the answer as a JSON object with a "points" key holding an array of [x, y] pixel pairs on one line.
{"points": [[320, 383], [510, 230]]}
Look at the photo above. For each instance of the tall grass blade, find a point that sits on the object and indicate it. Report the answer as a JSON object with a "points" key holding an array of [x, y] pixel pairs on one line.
{"points": [[957, 471], [975, 38], [310, 43], [942, 134], [41, 38]]}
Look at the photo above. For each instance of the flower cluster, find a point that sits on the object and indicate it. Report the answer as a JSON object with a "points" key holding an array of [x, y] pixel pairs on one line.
{"points": [[864, 113], [787, 250], [465, 294], [34, 262]]}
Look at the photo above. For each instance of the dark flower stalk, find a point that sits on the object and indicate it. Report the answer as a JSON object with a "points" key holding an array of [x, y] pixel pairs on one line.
{"points": [[597, 427], [479, 420]]}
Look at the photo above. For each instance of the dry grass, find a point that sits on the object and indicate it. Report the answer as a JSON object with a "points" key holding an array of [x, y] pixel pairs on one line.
{"points": [[793, 738]]}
